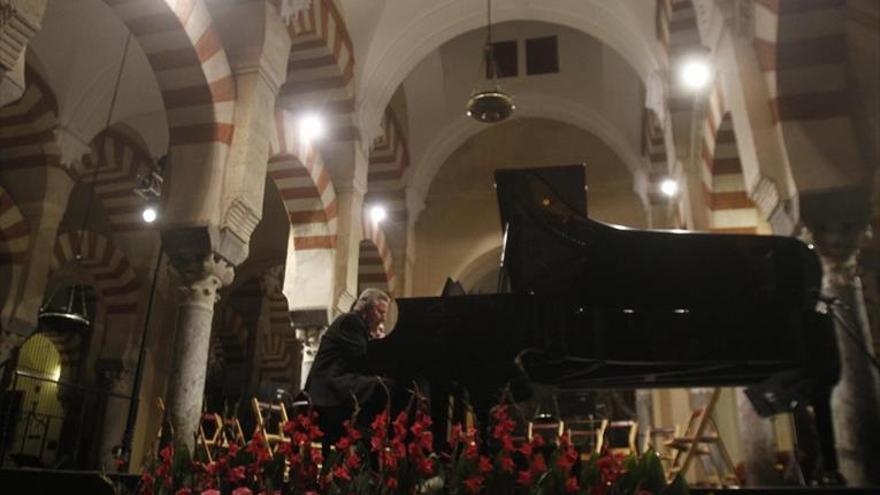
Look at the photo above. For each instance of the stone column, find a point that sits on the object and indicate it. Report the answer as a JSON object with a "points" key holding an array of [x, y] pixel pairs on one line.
{"points": [[193, 335], [855, 401], [758, 441], [115, 378], [310, 338]]}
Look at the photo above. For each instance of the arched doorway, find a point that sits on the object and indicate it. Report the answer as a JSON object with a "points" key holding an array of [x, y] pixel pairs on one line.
{"points": [[33, 414]]}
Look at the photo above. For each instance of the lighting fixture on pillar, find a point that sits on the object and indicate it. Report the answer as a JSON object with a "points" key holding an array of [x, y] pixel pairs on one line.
{"points": [[150, 188], [490, 105], [694, 68], [311, 127], [378, 213], [669, 187], [149, 214]]}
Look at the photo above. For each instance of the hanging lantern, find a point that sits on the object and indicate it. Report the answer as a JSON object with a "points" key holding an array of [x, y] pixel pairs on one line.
{"points": [[490, 105], [66, 311]]}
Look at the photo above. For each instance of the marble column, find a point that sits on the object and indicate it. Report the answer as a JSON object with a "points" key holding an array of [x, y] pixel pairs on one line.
{"points": [[192, 340], [116, 380], [758, 441], [855, 401], [310, 339]]}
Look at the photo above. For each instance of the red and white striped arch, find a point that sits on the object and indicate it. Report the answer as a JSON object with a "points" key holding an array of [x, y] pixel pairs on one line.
{"points": [[119, 162], [26, 127], [298, 171], [375, 265], [14, 243], [231, 335], [802, 49], [320, 71], [731, 208], [389, 159], [190, 65], [116, 283], [278, 347]]}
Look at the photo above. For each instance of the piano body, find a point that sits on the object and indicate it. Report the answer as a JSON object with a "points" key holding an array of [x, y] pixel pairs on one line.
{"points": [[591, 306]]}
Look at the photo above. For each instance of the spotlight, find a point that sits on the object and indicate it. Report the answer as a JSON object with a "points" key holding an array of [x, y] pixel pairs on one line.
{"points": [[694, 69], [311, 127], [669, 187], [377, 214], [149, 214]]}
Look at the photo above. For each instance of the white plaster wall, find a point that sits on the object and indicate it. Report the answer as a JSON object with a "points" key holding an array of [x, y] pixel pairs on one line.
{"points": [[80, 48]]}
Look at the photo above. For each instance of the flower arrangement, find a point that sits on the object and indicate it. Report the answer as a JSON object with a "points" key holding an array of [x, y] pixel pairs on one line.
{"points": [[396, 456]]}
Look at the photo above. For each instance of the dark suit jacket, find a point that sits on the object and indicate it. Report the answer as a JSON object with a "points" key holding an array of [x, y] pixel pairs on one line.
{"points": [[340, 368]]}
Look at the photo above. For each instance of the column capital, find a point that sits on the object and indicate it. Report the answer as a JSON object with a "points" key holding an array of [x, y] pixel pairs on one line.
{"points": [[116, 374], [203, 280], [837, 221], [270, 280]]}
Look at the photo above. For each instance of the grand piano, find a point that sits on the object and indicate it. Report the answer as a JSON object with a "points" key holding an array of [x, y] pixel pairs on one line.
{"points": [[586, 305]]}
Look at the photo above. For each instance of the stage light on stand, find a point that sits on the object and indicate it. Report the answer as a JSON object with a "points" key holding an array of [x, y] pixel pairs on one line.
{"points": [[149, 214]]}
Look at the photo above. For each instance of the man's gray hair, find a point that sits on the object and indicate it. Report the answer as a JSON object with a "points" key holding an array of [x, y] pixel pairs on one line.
{"points": [[369, 298]]}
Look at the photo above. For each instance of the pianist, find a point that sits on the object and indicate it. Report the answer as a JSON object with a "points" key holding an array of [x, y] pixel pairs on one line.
{"points": [[340, 370]]}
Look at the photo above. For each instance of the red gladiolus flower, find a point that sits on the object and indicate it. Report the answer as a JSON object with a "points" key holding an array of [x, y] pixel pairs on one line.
{"points": [[391, 482], [455, 434], [485, 465], [343, 444], [236, 474], [538, 464], [183, 491], [353, 461], [473, 484], [426, 441], [507, 464], [166, 454], [471, 452], [426, 466], [507, 444], [242, 490], [525, 478], [376, 443], [212, 491], [400, 425], [571, 485], [525, 449], [341, 473]]}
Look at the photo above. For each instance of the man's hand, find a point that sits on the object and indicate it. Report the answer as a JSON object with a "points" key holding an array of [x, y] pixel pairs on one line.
{"points": [[378, 333]]}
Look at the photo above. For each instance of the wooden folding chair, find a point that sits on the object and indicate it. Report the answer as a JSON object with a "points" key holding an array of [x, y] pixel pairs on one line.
{"points": [[701, 439], [587, 435], [620, 438], [658, 439], [210, 435], [547, 426], [270, 418]]}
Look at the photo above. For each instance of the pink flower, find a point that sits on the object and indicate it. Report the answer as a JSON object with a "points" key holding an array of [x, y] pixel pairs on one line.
{"points": [[211, 492], [242, 490]]}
